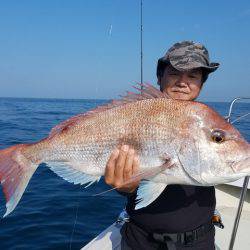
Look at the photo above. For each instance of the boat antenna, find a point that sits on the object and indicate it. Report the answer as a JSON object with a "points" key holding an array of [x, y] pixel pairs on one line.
{"points": [[141, 26]]}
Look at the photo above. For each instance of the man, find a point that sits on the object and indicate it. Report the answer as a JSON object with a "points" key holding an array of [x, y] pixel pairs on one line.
{"points": [[180, 218]]}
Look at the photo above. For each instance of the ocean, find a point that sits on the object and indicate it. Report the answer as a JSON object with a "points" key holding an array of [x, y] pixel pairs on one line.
{"points": [[51, 208]]}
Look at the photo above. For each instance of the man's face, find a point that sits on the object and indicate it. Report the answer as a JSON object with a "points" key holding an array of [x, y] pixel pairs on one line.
{"points": [[181, 85]]}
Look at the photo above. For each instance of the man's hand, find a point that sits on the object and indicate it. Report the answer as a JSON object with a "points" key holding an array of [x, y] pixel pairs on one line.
{"points": [[121, 166]]}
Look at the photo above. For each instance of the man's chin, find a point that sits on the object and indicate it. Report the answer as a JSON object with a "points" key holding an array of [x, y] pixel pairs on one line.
{"points": [[180, 96]]}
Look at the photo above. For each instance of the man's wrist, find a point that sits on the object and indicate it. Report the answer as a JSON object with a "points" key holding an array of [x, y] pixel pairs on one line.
{"points": [[127, 193]]}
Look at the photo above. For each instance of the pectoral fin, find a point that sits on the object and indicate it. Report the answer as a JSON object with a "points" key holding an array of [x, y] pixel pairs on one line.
{"points": [[148, 191]]}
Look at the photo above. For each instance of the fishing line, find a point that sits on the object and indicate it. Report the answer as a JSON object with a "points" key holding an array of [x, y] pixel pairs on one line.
{"points": [[106, 191], [76, 216], [240, 118]]}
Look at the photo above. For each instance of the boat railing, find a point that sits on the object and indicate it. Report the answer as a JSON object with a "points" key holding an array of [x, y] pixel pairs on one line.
{"points": [[245, 184]]}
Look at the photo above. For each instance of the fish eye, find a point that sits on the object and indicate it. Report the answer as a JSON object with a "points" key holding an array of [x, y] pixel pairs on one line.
{"points": [[218, 136]]}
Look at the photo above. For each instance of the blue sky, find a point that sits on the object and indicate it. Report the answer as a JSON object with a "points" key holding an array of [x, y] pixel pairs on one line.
{"points": [[91, 48]]}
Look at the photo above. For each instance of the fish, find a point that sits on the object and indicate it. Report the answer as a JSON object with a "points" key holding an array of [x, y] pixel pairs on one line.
{"points": [[177, 142]]}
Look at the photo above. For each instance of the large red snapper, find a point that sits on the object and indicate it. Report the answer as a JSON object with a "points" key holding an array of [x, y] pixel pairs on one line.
{"points": [[178, 142]]}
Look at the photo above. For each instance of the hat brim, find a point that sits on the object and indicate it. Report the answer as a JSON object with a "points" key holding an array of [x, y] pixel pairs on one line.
{"points": [[190, 66], [211, 68], [208, 68]]}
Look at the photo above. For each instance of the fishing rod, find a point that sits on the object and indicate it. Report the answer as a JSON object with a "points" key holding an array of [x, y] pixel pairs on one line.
{"points": [[141, 46], [244, 188]]}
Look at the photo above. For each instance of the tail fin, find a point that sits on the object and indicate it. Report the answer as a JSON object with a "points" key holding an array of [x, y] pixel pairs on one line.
{"points": [[15, 173]]}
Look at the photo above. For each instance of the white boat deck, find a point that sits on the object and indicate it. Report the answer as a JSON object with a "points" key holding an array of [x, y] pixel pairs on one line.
{"points": [[227, 197]]}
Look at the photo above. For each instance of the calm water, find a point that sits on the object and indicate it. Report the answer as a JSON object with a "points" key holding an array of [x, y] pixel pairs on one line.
{"points": [[45, 216]]}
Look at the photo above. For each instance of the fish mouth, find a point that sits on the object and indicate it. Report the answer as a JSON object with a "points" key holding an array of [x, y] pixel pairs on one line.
{"points": [[242, 166]]}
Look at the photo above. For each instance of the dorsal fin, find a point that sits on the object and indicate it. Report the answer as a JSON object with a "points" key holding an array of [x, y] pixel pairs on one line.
{"points": [[147, 91]]}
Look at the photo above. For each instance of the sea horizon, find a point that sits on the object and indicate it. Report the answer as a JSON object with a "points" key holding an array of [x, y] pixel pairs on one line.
{"points": [[101, 99]]}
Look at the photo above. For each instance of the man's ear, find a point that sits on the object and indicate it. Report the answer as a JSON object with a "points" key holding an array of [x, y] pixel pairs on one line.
{"points": [[159, 83], [159, 80]]}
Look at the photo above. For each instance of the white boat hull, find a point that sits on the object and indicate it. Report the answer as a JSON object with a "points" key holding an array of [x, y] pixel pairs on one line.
{"points": [[110, 238]]}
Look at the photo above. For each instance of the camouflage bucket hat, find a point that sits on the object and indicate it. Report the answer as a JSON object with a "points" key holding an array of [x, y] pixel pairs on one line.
{"points": [[188, 55]]}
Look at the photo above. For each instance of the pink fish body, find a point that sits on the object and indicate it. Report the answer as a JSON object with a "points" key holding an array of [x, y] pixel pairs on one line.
{"points": [[178, 142]]}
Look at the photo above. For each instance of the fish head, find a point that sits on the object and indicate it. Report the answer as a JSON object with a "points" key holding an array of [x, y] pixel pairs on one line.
{"points": [[217, 153]]}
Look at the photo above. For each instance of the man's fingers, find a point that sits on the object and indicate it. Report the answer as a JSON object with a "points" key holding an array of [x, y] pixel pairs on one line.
{"points": [[110, 167], [136, 165], [128, 168], [120, 163], [121, 166], [134, 170]]}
